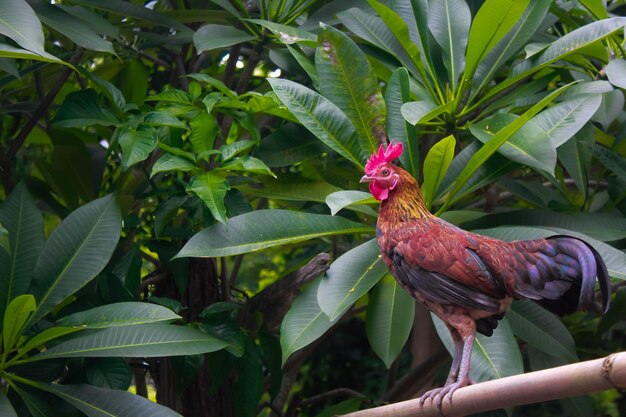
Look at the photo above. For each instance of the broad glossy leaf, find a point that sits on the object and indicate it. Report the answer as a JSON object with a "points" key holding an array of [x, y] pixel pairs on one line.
{"points": [[263, 229], [415, 15], [104, 402], [611, 160], [344, 198], [76, 251], [136, 143], [449, 21], [6, 409], [349, 82], [249, 164], [576, 158], [19, 22], [215, 83], [374, 30], [600, 226], [127, 9], [304, 323], [397, 93], [162, 118], [24, 223], [211, 189], [512, 42], [169, 162], [213, 36], [81, 108], [389, 319], [320, 116], [98, 23], [612, 106], [35, 403], [436, 165], [565, 119], [9, 51], [504, 134], [616, 72], [16, 315], [287, 34], [494, 20], [291, 187], [204, 129], [351, 276], [414, 111], [75, 29], [113, 373], [143, 340], [45, 336], [542, 330], [615, 259], [493, 357], [248, 388], [530, 145], [119, 314]]}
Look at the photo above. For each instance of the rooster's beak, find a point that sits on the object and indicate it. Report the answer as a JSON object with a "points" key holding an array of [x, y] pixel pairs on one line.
{"points": [[366, 178]]}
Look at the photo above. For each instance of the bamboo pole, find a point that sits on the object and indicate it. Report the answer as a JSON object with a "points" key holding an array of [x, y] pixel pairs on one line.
{"points": [[549, 384]]}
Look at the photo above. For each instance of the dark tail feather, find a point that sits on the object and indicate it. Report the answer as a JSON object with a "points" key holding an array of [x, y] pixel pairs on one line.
{"points": [[591, 266]]}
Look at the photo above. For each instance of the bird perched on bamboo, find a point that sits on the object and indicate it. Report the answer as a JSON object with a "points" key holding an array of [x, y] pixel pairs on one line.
{"points": [[469, 280]]}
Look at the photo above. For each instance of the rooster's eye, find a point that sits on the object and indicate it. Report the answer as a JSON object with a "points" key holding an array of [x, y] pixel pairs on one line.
{"points": [[385, 172]]}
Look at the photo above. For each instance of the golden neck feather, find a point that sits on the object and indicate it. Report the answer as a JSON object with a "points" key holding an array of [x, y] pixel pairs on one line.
{"points": [[405, 202]]}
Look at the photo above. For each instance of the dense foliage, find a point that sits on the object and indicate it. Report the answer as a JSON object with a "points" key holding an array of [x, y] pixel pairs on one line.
{"points": [[181, 207]]}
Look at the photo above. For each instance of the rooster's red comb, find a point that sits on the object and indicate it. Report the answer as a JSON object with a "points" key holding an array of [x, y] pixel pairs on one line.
{"points": [[393, 151]]}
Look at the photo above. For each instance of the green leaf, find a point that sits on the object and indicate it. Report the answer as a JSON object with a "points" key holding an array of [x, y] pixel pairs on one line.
{"points": [[161, 118], [494, 20], [263, 229], [397, 93], [19, 22], [119, 314], [565, 119], [291, 187], [320, 116], [389, 319], [204, 129], [374, 30], [504, 134], [211, 189], [143, 340], [76, 251], [449, 21], [616, 72], [136, 143], [8, 51], [4, 240], [350, 83], [287, 34], [493, 357], [344, 198], [24, 223], [213, 36], [127, 9], [248, 164], [215, 83], [248, 388], [235, 148], [508, 46], [104, 402], [6, 409], [436, 165], [81, 108], [75, 29], [542, 330], [530, 145], [304, 323], [51, 333], [169, 162], [575, 156], [37, 406], [15, 318], [614, 259], [610, 159], [114, 373], [351, 276]]}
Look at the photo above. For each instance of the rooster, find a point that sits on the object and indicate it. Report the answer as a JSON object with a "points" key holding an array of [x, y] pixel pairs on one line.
{"points": [[469, 280]]}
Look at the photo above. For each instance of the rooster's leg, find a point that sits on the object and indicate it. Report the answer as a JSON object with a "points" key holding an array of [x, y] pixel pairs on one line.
{"points": [[454, 368]]}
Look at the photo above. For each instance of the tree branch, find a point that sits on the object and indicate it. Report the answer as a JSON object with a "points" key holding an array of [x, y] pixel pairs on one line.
{"points": [[549, 384]]}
